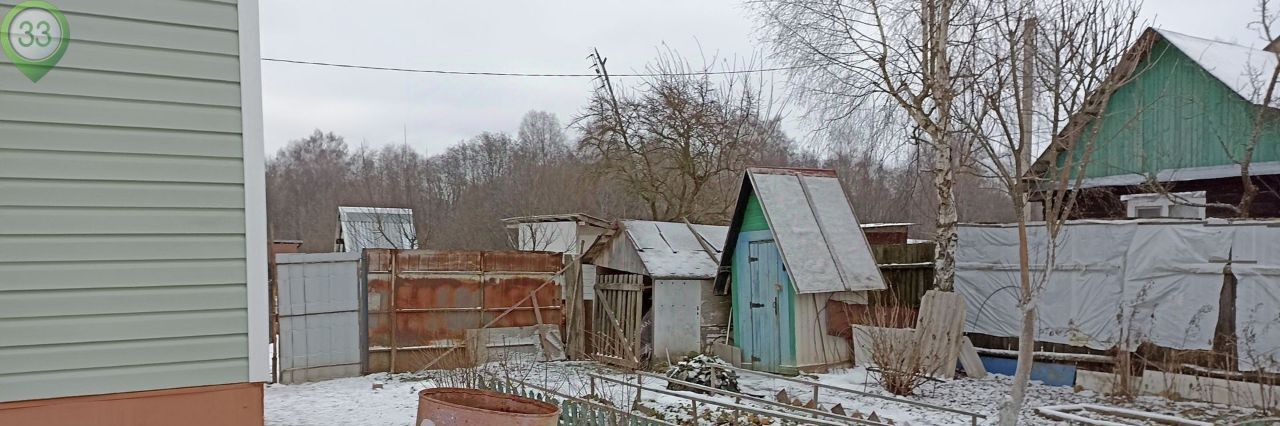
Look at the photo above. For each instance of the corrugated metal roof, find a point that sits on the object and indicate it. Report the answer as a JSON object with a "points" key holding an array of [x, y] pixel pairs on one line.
{"points": [[816, 231], [375, 227], [672, 250], [1244, 69]]}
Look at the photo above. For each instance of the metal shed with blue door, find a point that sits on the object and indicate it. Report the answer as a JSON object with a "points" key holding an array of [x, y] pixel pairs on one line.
{"points": [[793, 246]]}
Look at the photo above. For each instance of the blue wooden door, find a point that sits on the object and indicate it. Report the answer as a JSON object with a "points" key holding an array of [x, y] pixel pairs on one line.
{"points": [[766, 287]]}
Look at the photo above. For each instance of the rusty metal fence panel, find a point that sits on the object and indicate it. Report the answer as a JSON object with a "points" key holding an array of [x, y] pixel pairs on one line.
{"points": [[421, 302], [318, 307]]}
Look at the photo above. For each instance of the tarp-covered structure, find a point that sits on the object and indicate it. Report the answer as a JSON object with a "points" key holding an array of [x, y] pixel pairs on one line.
{"points": [[1121, 283], [360, 228], [793, 246]]}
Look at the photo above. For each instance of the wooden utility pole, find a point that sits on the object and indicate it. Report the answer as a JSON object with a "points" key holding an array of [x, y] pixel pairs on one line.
{"points": [[1026, 111]]}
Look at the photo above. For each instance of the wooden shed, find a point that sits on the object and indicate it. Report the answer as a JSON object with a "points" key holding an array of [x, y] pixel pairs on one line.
{"points": [[793, 246], [654, 293]]}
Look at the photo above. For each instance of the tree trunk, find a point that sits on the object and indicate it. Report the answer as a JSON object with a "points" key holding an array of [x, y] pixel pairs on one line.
{"points": [[1027, 338], [1250, 190], [1022, 375], [944, 267]]}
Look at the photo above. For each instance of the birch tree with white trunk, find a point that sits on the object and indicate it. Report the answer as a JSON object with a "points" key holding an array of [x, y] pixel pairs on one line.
{"points": [[910, 55], [972, 78]]}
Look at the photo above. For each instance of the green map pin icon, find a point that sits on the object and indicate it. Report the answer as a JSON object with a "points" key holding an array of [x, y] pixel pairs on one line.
{"points": [[34, 35]]}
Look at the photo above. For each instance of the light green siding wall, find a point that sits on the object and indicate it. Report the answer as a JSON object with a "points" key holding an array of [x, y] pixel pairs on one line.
{"points": [[122, 222], [1173, 114]]}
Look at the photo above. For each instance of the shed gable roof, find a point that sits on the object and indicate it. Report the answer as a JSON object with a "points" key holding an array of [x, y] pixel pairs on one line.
{"points": [[376, 227], [669, 250], [673, 250], [1149, 128], [815, 228]]}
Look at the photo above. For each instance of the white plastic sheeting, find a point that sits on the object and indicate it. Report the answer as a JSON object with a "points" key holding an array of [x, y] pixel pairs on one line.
{"points": [[1256, 254], [1173, 282], [1089, 269], [1121, 283]]}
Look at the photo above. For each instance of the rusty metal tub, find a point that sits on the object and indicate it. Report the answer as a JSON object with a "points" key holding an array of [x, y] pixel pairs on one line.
{"points": [[458, 406]]}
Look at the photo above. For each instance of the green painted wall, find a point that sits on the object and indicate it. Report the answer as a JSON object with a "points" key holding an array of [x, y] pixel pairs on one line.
{"points": [[1173, 114], [122, 246], [753, 216]]}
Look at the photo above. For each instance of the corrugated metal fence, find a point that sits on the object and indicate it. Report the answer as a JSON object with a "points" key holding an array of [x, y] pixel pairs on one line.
{"points": [[421, 302], [319, 316]]}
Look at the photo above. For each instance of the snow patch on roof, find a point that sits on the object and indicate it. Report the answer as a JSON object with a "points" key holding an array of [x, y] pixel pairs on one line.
{"points": [[376, 227], [1244, 69], [885, 225], [671, 250]]}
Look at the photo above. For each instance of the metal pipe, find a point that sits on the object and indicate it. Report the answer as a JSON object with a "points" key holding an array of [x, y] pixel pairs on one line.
{"points": [[474, 309], [394, 325], [763, 412], [746, 397], [975, 416], [579, 400]]}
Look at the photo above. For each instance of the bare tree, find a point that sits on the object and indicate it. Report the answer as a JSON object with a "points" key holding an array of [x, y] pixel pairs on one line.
{"points": [[305, 179], [1059, 78], [911, 55], [542, 136], [679, 142]]}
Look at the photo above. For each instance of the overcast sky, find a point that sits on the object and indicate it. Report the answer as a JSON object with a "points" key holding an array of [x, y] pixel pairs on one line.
{"points": [[431, 111]]}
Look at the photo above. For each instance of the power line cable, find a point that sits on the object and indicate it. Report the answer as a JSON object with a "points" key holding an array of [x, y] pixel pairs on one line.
{"points": [[521, 74]]}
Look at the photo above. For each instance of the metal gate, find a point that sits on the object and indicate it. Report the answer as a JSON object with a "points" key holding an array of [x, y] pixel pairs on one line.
{"points": [[616, 320], [319, 316], [420, 303]]}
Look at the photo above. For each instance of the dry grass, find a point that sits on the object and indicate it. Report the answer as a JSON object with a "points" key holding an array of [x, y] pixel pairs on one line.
{"points": [[902, 368]]}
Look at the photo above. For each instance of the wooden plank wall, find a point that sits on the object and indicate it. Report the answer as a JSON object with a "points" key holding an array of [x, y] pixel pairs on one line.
{"points": [[616, 318], [907, 270]]}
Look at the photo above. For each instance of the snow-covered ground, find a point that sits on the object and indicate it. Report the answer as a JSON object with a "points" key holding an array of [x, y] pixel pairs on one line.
{"points": [[353, 401]]}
